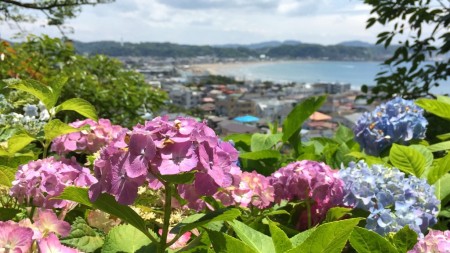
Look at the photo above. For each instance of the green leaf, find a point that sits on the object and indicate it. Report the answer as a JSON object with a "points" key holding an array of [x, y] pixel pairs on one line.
{"points": [[223, 243], [441, 146], [439, 170], [83, 237], [443, 137], [439, 108], [301, 237], [442, 187], [404, 239], [7, 175], [255, 239], [56, 128], [17, 142], [244, 138], [107, 204], [366, 241], [336, 213], [264, 141], [8, 213], [299, 114], [328, 238], [428, 155], [126, 238], [182, 178], [279, 238], [57, 84], [407, 159], [198, 220], [444, 99], [259, 155], [35, 88], [80, 106], [343, 134]]}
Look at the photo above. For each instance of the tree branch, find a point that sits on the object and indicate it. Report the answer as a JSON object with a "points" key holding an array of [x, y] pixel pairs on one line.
{"points": [[49, 6]]}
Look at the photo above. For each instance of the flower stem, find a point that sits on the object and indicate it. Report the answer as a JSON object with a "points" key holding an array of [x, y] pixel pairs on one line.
{"points": [[167, 213], [308, 210]]}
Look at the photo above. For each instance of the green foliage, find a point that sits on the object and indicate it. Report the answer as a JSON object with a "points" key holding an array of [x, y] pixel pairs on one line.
{"points": [[407, 159], [198, 220], [441, 169], [16, 143], [255, 239], [280, 240], [8, 213], [224, 243], [259, 155], [412, 76], [439, 107], [301, 237], [83, 237], [78, 105], [366, 241], [126, 238], [6, 175], [56, 128], [54, 12], [107, 204], [117, 94], [293, 122], [328, 237], [264, 141], [404, 239]]}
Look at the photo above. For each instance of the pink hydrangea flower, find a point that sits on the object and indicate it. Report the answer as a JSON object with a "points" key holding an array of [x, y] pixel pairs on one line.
{"points": [[39, 181], [14, 238], [308, 180], [180, 243], [254, 189], [47, 222], [434, 241], [51, 244], [90, 141]]}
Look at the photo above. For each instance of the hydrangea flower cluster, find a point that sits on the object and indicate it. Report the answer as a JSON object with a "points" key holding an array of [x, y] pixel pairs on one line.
{"points": [[434, 241], [397, 121], [19, 237], [90, 141], [32, 120], [310, 181], [163, 147], [392, 199], [38, 181], [254, 189]]}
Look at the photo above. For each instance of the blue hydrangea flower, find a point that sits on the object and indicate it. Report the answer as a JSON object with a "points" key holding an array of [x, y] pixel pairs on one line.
{"points": [[397, 121], [392, 199]]}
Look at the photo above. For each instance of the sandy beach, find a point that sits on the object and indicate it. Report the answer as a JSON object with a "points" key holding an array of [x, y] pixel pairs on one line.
{"points": [[226, 68]]}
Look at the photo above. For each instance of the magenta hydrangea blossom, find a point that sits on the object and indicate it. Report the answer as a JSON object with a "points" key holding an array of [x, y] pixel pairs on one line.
{"points": [[308, 180], [90, 141], [434, 241], [164, 147], [39, 181], [47, 222], [14, 238]]}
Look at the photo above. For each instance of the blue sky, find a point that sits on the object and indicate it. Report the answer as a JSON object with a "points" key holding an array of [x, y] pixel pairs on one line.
{"points": [[218, 21]]}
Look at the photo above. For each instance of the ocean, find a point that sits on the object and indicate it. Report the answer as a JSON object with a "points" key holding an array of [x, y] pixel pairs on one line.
{"points": [[356, 73]]}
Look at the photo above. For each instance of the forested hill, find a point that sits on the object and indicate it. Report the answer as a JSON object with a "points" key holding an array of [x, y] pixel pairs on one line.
{"points": [[283, 50]]}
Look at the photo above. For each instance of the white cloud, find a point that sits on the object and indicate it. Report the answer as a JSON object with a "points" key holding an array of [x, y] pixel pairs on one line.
{"points": [[219, 21]]}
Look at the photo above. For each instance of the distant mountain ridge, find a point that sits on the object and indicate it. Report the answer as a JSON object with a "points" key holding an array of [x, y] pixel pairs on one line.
{"points": [[290, 49]]}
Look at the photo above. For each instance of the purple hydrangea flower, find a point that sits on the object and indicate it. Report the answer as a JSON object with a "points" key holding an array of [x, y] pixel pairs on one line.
{"points": [[90, 141], [434, 241], [39, 181], [397, 121], [392, 199], [308, 180], [254, 190], [163, 147]]}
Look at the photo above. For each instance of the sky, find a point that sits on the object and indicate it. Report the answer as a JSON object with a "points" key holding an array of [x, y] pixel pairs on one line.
{"points": [[215, 22]]}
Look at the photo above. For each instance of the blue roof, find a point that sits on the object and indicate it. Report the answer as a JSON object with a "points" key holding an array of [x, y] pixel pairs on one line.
{"points": [[246, 119]]}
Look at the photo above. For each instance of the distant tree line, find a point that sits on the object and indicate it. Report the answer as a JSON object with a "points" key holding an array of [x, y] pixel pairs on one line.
{"points": [[164, 50]]}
